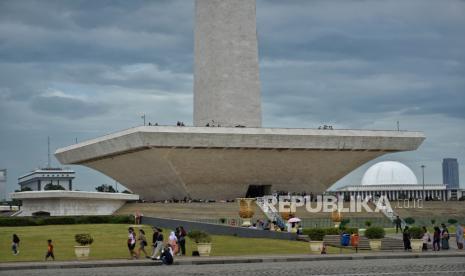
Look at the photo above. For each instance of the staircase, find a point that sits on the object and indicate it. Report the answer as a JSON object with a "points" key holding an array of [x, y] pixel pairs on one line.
{"points": [[389, 212], [269, 213], [387, 243]]}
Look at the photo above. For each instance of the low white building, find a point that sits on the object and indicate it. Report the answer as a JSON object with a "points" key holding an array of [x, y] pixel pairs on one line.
{"points": [[70, 203], [38, 179]]}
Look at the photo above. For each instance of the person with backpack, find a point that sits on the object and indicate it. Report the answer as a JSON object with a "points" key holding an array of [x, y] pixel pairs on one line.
{"points": [[142, 244]]}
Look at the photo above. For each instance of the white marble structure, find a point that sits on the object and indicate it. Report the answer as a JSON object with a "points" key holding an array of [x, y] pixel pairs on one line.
{"points": [[71, 203], [226, 75], [162, 162]]}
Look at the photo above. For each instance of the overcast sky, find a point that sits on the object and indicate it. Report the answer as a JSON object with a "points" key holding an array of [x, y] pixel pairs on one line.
{"points": [[81, 69]]}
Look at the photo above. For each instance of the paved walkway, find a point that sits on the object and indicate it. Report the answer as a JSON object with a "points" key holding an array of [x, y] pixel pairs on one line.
{"points": [[449, 266], [228, 260]]}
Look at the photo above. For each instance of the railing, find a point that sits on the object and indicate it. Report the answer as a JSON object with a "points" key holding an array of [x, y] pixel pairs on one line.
{"points": [[389, 212], [269, 213]]}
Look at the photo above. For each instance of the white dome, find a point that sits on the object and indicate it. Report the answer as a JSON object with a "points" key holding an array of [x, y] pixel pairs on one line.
{"points": [[389, 173]]}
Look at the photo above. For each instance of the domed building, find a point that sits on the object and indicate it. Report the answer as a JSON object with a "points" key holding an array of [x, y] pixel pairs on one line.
{"points": [[394, 180]]}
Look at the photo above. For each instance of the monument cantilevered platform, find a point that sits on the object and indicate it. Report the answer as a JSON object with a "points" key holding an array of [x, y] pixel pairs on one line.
{"points": [[165, 162]]}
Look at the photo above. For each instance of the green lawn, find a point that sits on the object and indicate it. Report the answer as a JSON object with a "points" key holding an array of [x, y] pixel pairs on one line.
{"points": [[110, 243]]}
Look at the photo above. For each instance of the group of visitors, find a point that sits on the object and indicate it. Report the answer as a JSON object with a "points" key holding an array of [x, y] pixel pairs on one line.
{"points": [[176, 245], [292, 227], [439, 240]]}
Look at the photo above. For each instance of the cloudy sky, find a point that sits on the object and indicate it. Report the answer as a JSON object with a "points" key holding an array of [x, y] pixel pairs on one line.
{"points": [[81, 69]]}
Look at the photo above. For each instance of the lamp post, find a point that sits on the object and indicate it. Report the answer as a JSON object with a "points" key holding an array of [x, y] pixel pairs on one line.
{"points": [[143, 117], [423, 179]]}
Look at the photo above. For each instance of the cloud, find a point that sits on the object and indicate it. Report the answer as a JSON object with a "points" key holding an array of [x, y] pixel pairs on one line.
{"points": [[58, 104]]}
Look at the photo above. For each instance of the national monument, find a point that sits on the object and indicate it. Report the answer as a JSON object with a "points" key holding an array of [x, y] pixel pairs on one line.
{"points": [[239, 157]]}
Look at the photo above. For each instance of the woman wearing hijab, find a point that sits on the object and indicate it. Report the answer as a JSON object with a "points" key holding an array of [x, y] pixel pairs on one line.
{"points": [[444, 237], [173, 242]]}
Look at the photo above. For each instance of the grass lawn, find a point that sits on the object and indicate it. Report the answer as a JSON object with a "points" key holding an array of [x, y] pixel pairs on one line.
{"points": [[110, 243]]}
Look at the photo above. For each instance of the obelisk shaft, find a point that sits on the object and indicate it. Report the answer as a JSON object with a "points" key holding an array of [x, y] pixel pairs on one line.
{"points": [[226, 73]]}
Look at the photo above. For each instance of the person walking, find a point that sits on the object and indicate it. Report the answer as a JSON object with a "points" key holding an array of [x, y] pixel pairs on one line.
{"points": [[398, 223], [436, 239], [459, 236], [426, 239], [173, 242], [15, 245], [49, 251], [444, 237], [157, 243], [131, 243], [181, 235], [142, 244], [406, 239]]}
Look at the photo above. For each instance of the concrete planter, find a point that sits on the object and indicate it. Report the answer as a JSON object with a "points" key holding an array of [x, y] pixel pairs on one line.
{"points": [[375, 245], [316, 246], [416, 244], [204, 249], [82, 251]]}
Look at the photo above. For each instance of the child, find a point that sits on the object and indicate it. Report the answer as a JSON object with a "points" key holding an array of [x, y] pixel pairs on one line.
{"points": [[49, 251]]}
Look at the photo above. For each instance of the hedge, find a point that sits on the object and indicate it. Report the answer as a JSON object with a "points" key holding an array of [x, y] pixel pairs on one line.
{"points": [[315, 232], [35, 221]]}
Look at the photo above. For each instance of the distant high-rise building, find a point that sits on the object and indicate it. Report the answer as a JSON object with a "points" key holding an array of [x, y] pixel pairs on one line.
{"points": [[2, 185], [450, 172]]}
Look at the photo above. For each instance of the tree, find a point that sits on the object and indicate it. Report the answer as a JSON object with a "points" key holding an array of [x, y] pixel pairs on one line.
{"points": [[52, 187], [104, 188]]}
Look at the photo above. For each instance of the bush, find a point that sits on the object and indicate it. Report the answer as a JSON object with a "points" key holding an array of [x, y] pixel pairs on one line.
{"points": [[84, 239], [367, 223], [375, 233], [352, 230], [316, 234], [199, 236], [416, 232], [452, 221], [52, 187], [409, 221]]}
